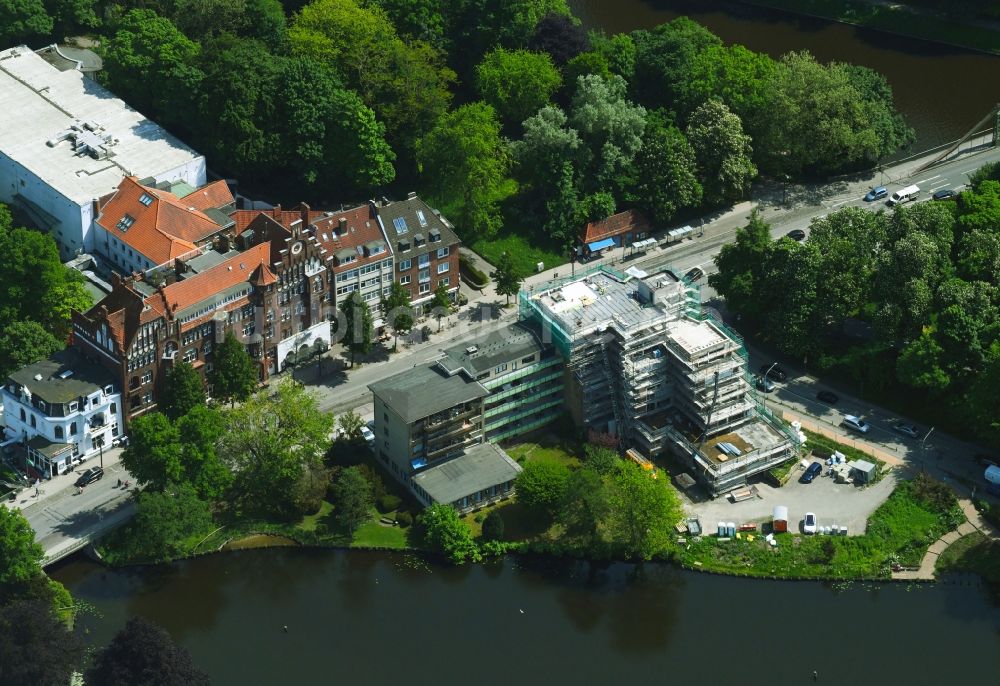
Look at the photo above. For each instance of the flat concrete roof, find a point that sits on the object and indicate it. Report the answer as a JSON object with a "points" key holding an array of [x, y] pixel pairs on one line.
{"points": [[694, 337], [479, 467], [425, 390], [512, 342], [41, 102]]}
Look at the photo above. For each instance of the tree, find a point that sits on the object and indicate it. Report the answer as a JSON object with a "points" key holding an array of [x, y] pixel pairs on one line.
{"points": [[601, 460], [463, 157], [350, 423], [143, 653], [200, 431], [734, 75], [560, 35], [563, 209], [201, 18], [664, 58], [517, 83], [23, 343], [723, 152], [270, 442], [235, 375], [22, 20], [919, 365], [493, 526], [447, 534], [36, 647], [69, 16], [441, 304], [397, 310], [547, 146], [21, 556], [153, 65], [183, 389], [585, 505], [987, 172], [165, 523], [665, 172], [541, 486], [507, 281], [739, 279], [643, 511], [153, 453], [359, 325], [352, 498]]}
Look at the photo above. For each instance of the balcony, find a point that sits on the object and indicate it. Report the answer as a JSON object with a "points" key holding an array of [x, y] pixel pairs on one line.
{"points": [[450, 415]]}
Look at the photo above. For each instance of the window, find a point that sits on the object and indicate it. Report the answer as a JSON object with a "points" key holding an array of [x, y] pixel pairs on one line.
{"points": [[300, 307], [528, 359], [421, 218], [446, 281], [442, 252], [501, 368], [400, 224], [425, 288], [424, 260], [147, 377], [59, 432], [387, 264], [191, 354], [34, 423], [114, 408], [74, 406], [347, 259], [23, 416], [209, 367], [207, 348], [72, 429], [145, 199], [443, 267], [248, 329], [385, 416], [147, 399], [404, 265], [425, 275], [125, 222], [403, 280]]}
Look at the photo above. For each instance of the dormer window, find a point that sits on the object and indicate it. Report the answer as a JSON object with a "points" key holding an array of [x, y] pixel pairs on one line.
{"points": [[146, 199], [400, 224], [126, 222]]}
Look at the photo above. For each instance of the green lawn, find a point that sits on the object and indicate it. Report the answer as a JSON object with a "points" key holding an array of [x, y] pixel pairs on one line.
{"points": [[375, 535], [524, 255], [972, 553], [545, 451]]}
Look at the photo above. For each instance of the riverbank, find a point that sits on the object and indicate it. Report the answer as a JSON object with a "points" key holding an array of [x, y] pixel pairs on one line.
{"points": [[894, 18]]}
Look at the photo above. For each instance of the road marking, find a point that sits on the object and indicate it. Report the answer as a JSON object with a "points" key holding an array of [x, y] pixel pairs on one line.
{"points": [[842, 202], [943, 185], [930, 179], [969, 171]]}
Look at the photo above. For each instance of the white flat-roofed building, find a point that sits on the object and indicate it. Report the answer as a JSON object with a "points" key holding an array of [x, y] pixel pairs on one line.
{"points": [[66, 141]]}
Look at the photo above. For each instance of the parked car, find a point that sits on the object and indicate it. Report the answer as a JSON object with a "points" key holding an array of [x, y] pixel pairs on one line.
{"points": [[856, 423], [773, 372], [90, 476], [945, 194], [694, 273], [764, 385], [876, 193], [809, 523], [828, 397], [906, 429], [812, 471], [796, 235], [367, 434]]}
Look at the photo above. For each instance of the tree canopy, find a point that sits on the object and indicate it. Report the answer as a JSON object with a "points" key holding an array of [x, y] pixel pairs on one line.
{"points": [[183, 389], [144, 653], [36, 646], [517, 83], [234, 376], [447, 534]]}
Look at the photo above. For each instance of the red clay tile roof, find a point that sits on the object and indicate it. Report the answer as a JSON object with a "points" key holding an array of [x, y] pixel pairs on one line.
{"points": [[162, 230], [629, 221], [215, 194], [362, 227], [182, 294], [243, 218], [263, 276]]}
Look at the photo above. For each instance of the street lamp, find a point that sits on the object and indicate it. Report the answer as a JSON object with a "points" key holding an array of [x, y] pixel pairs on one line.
{"points": [[100, 446], [923, 448], [764, 383]]}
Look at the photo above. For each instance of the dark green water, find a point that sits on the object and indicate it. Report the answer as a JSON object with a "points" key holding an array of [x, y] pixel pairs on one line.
{"points": [[367, 618]]}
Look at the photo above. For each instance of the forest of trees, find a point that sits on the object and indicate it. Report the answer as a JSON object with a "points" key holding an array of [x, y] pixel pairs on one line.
{"points": [[507, 114]]}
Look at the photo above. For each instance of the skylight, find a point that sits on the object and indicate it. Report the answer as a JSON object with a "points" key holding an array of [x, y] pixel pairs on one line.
{"points": [[125, 222], [400, 224], [421, 218], [146, 199]]}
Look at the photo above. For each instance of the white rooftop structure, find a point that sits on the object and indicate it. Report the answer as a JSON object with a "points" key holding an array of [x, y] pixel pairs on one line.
{"points": [[66, 141], [694, 337]]}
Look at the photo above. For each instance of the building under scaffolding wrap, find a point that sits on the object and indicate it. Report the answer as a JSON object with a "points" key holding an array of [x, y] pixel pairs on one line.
{"points": [[644, 364]]}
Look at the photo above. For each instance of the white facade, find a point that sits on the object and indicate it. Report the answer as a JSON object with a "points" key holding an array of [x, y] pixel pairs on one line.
{"points": [[83, 424], [65, 141], [303, 340]]}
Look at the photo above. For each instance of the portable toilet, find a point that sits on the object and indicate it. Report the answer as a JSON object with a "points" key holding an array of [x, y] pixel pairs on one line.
{"points": [[721, 531], [780, 519], [993, 479], [731, 529]]}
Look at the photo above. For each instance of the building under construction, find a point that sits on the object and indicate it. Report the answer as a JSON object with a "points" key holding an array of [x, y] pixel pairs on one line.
{"points": [[644, 364]]}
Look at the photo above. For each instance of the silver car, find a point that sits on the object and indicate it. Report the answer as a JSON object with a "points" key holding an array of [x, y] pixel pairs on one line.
{"points": [[906, 430]]}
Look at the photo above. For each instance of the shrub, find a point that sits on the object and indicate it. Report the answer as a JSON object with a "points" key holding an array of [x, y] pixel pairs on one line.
{"points": [[493, 526], [387, 503], [404, 519], [470, 272]]}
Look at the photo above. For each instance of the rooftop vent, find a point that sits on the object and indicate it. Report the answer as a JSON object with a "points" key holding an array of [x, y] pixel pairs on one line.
{"points": [[471, 349], [65, 374], [38, 377]]}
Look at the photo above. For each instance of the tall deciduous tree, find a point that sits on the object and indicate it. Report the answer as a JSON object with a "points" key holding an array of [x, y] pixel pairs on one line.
{"points": [[447, 534], [20, 554], [359, 325], [560, 35], [234, 376], [144, 653], [643, 511], [740, 276], [200, 430], [23, 20], [542, 485], [352, 498], [517, 83], [270, 442], [665, 172], [723, 151], [165, 523], [506, 278], [183, 389], [36, 646], [153, 453], [463, 157], [664, 58], [350, 423], [397, 311], [25, 342], [441, 304]]}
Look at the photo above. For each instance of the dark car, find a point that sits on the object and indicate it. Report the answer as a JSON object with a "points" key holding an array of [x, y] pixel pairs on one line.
{"points": [[90, 476], [828, 397], [773, 372], [945, 194], [796, 235], [764, 385], [812, 471], [876, 193], [694, 274]]}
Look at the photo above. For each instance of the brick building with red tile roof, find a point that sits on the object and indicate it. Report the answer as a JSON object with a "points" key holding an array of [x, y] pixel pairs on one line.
{"points": [[619, 229]]}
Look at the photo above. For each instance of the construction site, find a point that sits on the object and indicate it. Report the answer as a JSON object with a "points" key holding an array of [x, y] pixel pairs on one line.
{"points": [[645, 365]]}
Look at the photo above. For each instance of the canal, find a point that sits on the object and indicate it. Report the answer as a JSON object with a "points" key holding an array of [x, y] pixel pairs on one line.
{"points": [[942, 91], [370, 618]]}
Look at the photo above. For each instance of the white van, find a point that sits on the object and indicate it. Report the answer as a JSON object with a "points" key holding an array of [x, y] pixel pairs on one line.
{"points": [[903, 195]]}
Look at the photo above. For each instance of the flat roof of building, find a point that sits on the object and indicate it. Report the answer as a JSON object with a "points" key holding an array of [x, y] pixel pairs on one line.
{"points": [[62, 378], [694, 336], [492, 349], [425, 390], [600, 299], [42, 103], [479, 467]]}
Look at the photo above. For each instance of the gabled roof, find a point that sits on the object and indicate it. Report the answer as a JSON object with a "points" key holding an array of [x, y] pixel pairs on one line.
{"points": [[263, 276], [156, 223], [200, 287], [403, 219], [215, 194], [360, 229], [629, 221]]}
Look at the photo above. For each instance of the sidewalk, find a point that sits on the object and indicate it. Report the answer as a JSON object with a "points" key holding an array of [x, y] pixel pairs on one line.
{"points": [[56, 486]]}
